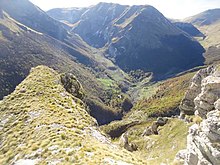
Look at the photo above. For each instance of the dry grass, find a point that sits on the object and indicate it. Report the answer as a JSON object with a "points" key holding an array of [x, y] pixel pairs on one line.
{"points": [[41, 121], [167, 98]]}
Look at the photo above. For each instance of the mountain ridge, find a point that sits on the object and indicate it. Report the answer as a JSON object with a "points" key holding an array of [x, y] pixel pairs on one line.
{"points": [[23, 48], [204, 18], [208, 22], [137, 34], [49, 125]]}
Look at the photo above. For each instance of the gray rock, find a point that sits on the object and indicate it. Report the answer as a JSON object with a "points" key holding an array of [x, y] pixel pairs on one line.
{"points": [[181, 155], [153, 129], [161, 121], [187, 105], [147, 132], [125, 144], [203, 141]]}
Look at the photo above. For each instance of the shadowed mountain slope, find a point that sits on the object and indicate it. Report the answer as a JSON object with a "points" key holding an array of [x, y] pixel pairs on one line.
{"points": [[22, 48], [208, 22], [135, 37], [189, 28]]}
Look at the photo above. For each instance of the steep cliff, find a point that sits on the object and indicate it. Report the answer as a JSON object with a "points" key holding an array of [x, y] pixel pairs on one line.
{"points": [[203, 141], [187, 105]]}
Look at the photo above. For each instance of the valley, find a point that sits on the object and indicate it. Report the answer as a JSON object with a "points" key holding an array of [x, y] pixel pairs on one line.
{"points": [[108, 84]]}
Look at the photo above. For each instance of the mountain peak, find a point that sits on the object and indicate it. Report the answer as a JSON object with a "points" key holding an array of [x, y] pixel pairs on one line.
{"points": [[27, 13], [207, 17], [108, 4], [134, 35]]}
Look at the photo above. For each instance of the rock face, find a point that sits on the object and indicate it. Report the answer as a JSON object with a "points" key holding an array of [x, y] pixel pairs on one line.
{"points": [[203, 141], [187, 105]]}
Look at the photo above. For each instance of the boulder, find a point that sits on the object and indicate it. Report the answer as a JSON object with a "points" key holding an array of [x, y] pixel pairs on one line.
{"points": [[147, 132], [153, 129], [161, 121], [125, 144]]}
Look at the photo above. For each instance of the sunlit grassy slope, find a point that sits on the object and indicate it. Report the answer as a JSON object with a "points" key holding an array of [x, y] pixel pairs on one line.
{"points": [[163, 99], [160, 148], [40, 122], [168, 95], [208, 22]]}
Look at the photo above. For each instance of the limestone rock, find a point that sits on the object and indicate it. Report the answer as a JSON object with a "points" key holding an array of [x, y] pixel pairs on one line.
{"points": [[217, 104], [147, 132], [180, 156], [203, 141], [187, 105], [210, 92], [153, 129]]}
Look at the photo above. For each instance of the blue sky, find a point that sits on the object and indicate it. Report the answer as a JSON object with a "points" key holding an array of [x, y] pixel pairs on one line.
{"points": [[177, 9]]}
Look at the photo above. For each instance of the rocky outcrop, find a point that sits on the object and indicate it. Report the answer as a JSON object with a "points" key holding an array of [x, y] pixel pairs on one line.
{"points": [[153, 129], [210, 93], [72, 85], [124, 143], [187, 105], [203, 141]]}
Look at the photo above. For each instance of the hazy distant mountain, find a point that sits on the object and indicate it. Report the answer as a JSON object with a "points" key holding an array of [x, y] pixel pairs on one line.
{"points": [[135, 37], [208, 23], [70, 15], [205, 18]]}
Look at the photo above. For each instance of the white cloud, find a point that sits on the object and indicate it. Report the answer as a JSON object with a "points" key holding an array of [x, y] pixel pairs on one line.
{"points": [[170, 8]]}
